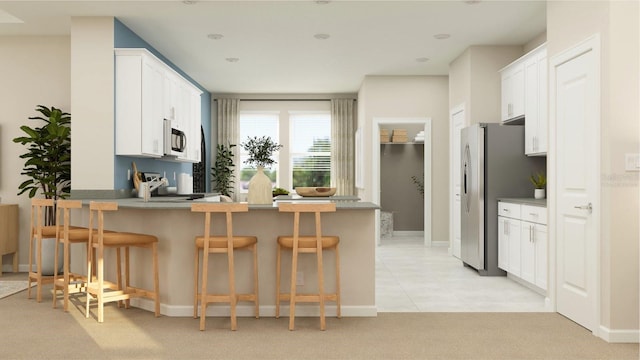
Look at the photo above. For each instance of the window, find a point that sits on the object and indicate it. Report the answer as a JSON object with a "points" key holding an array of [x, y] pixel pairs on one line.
{"points": [[257, 124], [310, 149]]}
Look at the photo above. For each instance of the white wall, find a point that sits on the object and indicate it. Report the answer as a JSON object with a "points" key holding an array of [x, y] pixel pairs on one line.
{"points": [[411, 97], [34, 71], [92, 99], [617, 22]]}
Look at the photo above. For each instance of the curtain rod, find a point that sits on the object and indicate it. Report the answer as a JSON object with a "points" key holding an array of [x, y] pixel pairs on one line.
{"points": [[288, 99]]}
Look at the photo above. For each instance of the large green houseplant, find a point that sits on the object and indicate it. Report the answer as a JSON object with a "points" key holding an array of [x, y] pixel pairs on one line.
{"points": [[222, 174], [48, 157]]}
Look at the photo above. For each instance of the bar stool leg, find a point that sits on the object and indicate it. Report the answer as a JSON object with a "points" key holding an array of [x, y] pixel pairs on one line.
{"points": [[156, 280], [278, 281], [233, 298], [339, 314], [292, 300], [195, 281], [203, 292], [255, 280], [323, 323]]}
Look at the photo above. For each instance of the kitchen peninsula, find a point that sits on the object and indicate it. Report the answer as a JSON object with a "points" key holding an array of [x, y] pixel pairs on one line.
{"points": [[172, 221]]}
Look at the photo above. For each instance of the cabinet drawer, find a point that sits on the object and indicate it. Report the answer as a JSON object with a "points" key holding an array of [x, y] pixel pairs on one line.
{"points": [[509, 209], [536, 214]]}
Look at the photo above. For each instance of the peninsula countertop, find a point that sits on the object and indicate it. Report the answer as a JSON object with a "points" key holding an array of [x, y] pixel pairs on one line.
{"points": [[180, 202]]}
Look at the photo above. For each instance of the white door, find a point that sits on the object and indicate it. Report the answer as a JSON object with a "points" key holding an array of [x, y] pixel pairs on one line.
{"points": [[576, 111], [457, 123]]}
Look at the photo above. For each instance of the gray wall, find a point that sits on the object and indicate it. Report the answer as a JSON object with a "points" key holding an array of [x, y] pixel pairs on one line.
{"points": [[398, 162]]}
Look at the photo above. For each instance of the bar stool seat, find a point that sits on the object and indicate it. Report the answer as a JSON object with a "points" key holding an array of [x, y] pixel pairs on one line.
{"points": [[307, 244]]}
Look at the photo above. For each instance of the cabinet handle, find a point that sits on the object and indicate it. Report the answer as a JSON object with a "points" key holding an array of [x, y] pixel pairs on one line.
{"points": [[533, 214], [506, 228], [530, 233]]}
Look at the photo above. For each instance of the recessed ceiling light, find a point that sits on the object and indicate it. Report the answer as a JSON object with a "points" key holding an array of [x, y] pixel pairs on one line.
{"points": [[441, 36], [322, 2], [215, 36], [189, 2], [232, 59], [422, 59], [472, 2], [322, 36]]}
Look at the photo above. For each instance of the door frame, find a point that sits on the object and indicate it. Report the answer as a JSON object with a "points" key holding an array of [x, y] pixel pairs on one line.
{"points": [[375, 166], [454, 110], [592, 43]]}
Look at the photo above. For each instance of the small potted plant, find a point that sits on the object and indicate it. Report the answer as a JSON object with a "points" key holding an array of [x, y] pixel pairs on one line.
{"points": [[260, 151], [539, 181], [222, 174]]}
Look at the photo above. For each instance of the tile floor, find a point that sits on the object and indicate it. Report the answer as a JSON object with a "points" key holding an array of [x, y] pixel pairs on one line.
{"points": [[414, 278]]}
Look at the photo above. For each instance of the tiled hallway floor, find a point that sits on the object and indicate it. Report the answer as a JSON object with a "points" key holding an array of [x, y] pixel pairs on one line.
{"points": [[414, 278]]}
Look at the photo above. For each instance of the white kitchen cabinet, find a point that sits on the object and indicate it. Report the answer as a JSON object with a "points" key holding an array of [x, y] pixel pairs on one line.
{"points": [[536, 118], [147, 92], [524, 98], [513, 92], [522, 242], [139, 95]]}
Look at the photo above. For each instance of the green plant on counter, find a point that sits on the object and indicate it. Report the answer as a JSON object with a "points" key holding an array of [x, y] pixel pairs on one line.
{"points": [[279, 191], [222, 174], [260, 151], [419, 183], [539, 180]]}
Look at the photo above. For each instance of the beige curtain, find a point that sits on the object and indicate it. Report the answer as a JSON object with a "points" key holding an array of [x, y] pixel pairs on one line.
{"points": [[343, 121], [228, 132]]}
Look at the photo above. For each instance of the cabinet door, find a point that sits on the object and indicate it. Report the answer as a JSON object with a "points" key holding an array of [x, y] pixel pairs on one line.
{"points": [[503, 243], [540, 242], [152, 108], [527, 252], [531, 105], [513, 92], [514, 229]]}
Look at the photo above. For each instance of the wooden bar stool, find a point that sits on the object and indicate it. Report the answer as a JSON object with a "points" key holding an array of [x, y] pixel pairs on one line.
{"points": [[67, 235], [100, 239], [220, 244], [41, 209], [307, 244]]}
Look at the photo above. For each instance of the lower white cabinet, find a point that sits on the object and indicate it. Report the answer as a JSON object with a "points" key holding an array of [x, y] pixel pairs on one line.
{"points": [[522, 242]]}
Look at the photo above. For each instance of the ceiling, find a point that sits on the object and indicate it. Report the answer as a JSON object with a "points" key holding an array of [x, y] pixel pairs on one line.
{"points": [[275, 45]]}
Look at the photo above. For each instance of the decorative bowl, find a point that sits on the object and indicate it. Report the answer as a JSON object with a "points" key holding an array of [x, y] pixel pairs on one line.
{"points": [[316, 191]]}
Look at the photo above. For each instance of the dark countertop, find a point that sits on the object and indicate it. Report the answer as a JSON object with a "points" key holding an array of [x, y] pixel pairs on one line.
{"points": [[526, 201]]}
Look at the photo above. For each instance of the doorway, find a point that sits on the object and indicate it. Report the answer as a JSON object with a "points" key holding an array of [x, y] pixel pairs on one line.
{"points": [[376, 186]]}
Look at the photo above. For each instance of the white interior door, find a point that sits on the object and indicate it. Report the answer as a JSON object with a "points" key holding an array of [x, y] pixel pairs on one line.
{"points": [[457, 123], [576, 100]]}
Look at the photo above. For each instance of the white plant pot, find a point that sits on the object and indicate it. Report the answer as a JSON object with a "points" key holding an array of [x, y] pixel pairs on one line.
{"points": [[260, 191], [539, 194], [48, 255]]}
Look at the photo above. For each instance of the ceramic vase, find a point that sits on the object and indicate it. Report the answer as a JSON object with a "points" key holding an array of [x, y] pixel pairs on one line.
{"points": [[48, 256], [260, 188], [539, 194]]}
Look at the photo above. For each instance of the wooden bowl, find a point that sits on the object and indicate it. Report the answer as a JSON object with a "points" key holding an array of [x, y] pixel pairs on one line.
{"points": [[316, 191]]}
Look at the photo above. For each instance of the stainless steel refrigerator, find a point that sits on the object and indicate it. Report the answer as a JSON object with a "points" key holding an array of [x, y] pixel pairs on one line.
{"points": [[493, 166]]}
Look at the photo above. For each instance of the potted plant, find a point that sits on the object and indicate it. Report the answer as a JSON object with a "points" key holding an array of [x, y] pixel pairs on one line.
{"points": [[48, 165], [222, 174], [539, 181], [260, 151]]}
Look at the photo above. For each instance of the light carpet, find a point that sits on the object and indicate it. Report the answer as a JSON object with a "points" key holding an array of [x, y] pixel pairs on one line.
{"points": [[8, 288]]}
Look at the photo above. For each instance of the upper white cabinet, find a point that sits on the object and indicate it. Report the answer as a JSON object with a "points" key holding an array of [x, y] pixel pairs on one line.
{"points": [[147, 92], [535, 119], [139, 116], [512, 107], [524, 97]]}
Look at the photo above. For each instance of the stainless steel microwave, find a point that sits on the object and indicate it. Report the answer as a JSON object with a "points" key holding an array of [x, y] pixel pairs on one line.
{"points": [[175, 140]]}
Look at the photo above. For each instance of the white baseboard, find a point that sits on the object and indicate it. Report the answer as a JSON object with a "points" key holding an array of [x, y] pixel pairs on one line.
{"points": [[441, 244], [246, 310], [408, 234], [619, 336]]}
